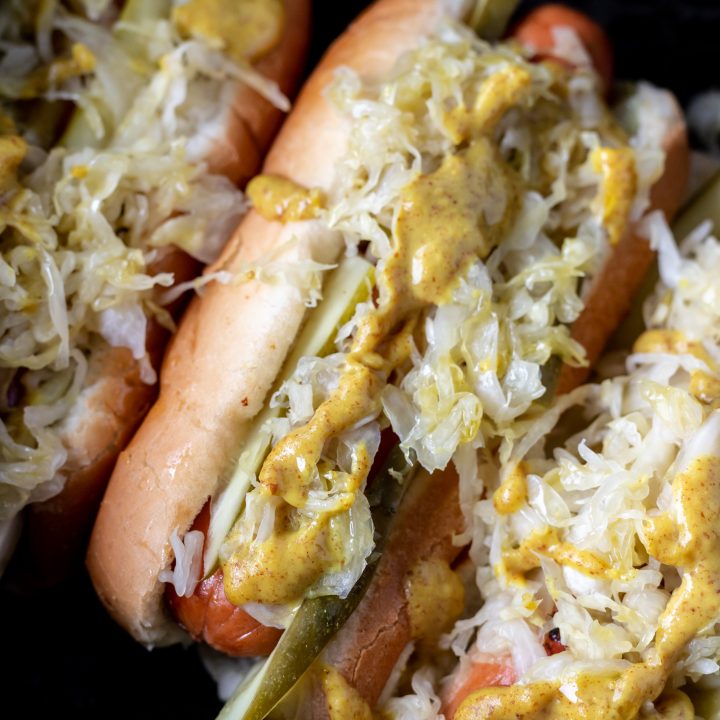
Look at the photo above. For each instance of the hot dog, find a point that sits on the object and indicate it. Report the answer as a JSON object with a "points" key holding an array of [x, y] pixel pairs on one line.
{"points": [[163, 90], [618, 653], [439, 204], [359, 662]]}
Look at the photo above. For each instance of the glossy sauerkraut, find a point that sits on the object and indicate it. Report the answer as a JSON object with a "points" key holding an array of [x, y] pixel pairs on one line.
{"points": [[82, 224], [480, 368]]}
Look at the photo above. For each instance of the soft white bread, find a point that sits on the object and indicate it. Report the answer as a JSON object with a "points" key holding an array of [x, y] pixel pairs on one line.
{"points": [[230, 346], [114, 398]]}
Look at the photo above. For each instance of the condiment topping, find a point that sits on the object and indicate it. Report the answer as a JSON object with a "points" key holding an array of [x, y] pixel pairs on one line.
{"points": [[619, 186], [587, 698], [546, 543], [476, 147], [436, 598], [705, 386], [344, 702], [245, 29], [12, 152], [631, 526], [277, 198], [687, 537], [296, 553], [512, 493]]}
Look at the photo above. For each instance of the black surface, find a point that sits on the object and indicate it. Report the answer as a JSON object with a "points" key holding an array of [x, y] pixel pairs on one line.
{"points": [[62, 655]]}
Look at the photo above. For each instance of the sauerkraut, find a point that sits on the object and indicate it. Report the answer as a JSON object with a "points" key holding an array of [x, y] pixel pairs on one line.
{"points": [[598, 489], [83, 225], [332, 492], [477, 369]]}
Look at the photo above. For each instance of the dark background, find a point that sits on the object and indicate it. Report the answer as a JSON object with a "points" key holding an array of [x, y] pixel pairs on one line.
{"points": [[62, 655]]}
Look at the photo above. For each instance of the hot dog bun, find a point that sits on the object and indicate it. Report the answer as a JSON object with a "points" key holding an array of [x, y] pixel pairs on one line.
{"points": [[115, 398]]}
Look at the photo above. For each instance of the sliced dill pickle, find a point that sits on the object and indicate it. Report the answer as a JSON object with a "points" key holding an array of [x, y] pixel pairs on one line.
{"points": [[349, 284], [704, 206], [549, 374], [138, 10], [706, 702], [318, 619]]}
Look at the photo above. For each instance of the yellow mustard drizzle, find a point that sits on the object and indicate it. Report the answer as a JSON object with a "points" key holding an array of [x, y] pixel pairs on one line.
{"points": [[619, 185], [343, 701], [287, 471], [446, 220], [245, 29], [688, 537], [291, 557], [281, 199], [703, 386], [516, 562], [296, 554], [499, 92], [81, 62], [544, 701], [512, 493], [436, 598], [12, 152]]}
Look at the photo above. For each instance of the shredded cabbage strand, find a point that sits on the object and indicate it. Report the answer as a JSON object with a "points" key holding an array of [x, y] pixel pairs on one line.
{"points": [[84, 228]]}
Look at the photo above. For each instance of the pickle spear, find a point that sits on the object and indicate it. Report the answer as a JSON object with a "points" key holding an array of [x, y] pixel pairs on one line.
{"points": [[318, 619], [80, 132], [349, 284], [706, 702], [704, 206]]}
